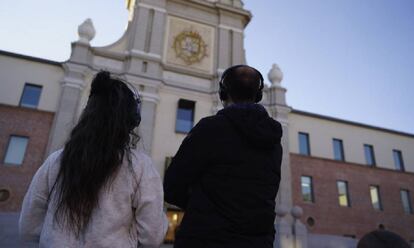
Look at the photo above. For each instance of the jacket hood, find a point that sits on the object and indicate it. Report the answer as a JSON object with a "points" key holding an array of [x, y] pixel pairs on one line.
{"points": [[254, 123]]}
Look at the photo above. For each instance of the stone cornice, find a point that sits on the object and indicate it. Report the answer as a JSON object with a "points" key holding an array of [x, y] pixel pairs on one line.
{"points": [[31, 58], [148, 6], [190, 72], [328, 118]]}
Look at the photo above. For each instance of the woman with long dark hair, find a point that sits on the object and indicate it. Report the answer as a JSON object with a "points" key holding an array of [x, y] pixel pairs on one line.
{"points": [[98, 191]]}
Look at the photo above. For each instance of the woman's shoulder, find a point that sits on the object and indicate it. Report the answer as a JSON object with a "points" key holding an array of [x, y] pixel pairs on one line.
{"points": [[55, 156], [142, 164], [53, 160], [140, 159]]}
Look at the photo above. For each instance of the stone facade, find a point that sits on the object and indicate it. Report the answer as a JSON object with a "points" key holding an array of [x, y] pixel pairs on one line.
{"points": [[360, 218], [30, 123]]}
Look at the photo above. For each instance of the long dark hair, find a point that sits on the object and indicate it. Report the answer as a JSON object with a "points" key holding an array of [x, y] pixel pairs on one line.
{"points": [[95, 150]]}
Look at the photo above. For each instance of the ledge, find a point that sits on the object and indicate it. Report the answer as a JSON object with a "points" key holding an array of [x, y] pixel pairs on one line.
{"points": [[346, 163], [31, 58]]}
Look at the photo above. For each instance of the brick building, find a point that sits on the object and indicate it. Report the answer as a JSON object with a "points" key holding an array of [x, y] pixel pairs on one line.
{"points": [[349, 178]]}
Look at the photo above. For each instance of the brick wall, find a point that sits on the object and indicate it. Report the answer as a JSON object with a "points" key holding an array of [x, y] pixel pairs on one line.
{"points": [[360, 218], [24, 122]]}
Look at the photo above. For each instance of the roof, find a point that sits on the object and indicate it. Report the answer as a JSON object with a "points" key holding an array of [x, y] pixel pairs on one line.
{"points": [[35, 59], [329, 118]]}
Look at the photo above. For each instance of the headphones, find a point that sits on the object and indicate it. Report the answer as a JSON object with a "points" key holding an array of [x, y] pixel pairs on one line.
{"points": [[223, 91], [138, 101]]}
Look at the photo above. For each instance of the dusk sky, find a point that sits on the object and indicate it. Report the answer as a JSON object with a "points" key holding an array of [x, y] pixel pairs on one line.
{"points": [[351, 59]]}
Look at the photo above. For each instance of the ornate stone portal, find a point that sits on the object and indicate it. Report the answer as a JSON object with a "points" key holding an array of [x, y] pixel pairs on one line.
{"points": [[175, 49]]}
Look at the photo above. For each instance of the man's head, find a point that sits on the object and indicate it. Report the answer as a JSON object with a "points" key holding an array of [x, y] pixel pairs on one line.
{"points": [[382, 239], [241, 84]]}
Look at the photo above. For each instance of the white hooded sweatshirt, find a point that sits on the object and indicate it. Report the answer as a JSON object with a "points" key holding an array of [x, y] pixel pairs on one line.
{"points": [[130, 211]]}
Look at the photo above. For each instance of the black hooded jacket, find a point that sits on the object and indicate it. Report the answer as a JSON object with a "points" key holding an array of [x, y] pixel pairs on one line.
{"points": [[226, 176]]}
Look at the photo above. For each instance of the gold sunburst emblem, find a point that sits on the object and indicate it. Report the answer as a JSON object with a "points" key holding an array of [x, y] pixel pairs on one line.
{"points": [[190, 47]]}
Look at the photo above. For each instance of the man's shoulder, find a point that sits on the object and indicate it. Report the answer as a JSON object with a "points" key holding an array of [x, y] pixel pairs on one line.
{"points": [[211, 122]]}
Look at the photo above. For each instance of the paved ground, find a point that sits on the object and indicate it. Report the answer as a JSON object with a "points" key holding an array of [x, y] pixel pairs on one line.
{"points": [[9, 232]]}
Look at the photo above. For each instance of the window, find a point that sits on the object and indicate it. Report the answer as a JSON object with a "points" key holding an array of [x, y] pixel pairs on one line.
{"points": [[343, 195], [144, 67], [369, 155], [310, 221], [31, 95], [398, 160], [406, 201], [338, 150], [307, 189], [375, 197], [4, 195], [304, 147], [185, 116], [16, 150]]}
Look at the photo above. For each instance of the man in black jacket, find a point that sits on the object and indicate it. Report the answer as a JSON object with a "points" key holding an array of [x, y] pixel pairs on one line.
{"points": [[226, 172]]}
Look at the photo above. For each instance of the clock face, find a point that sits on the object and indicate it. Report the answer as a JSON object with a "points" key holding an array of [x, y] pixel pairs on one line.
{"points": [[190, 47]]}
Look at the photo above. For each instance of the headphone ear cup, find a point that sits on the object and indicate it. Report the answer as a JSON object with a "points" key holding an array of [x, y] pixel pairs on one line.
{"points": [[223, 93], [259, 96]]}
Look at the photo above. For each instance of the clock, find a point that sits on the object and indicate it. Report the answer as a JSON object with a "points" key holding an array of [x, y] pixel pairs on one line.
{"points": [[190, 47]]}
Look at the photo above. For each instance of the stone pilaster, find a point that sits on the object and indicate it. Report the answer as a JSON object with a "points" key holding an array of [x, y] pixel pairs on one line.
{"points": [[146, 36], [148, 111], [66, 115]]}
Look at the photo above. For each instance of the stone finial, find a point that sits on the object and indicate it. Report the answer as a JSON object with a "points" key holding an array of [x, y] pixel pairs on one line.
{"points": [[296, 212], [275, 75], [86, 31], [281, 211]]}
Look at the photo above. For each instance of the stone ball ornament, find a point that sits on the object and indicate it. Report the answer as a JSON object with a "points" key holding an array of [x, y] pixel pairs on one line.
{"points": [[297, 212], [281, 211], [86, 31], [275, 75]]}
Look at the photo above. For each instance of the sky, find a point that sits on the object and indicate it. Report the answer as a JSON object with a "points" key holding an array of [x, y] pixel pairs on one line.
{"points": [[350, 59]]}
